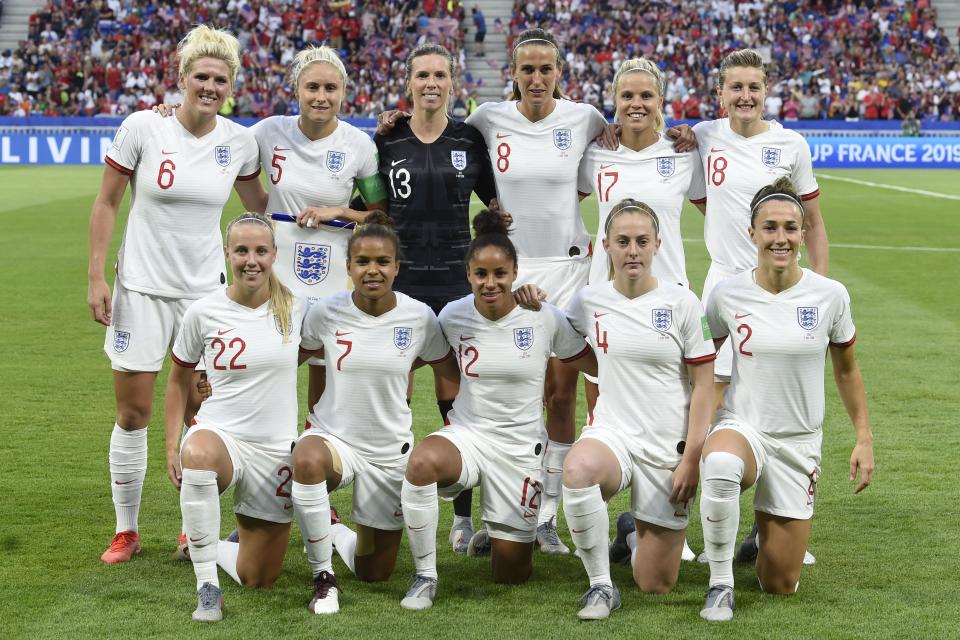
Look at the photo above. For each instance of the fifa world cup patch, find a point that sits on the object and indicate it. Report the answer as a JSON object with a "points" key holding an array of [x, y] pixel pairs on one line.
{"points": [[121, 340], [707, 334]]}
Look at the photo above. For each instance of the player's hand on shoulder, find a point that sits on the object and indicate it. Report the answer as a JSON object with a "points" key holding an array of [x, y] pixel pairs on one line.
{"points": [[100, 301], [684, 139], [494, 206], [387, 120], [165, 110], [609, 138], [530, 296]]}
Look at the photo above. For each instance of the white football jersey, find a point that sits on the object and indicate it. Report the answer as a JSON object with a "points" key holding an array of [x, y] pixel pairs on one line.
{"points": [[657, 176], [779, 347], [369, 359], [502, 369], [643, 346], [179, 184], [252, 371], [314, 173], [535, 168], [735, 168]]}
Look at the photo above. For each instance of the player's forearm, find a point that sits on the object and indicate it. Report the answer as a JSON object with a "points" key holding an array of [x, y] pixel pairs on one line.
{"points": [[175, 406], [102, 220], [854, 397], [701, 409]]}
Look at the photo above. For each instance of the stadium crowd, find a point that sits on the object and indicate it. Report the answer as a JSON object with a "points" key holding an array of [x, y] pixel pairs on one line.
{"points": [[112, 57], [840, 60]]}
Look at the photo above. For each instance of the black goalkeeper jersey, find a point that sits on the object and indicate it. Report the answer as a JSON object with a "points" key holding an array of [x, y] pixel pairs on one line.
{"points": [[429, 187]]}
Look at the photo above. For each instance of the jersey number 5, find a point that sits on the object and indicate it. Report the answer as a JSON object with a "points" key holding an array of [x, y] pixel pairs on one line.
{"points": [[275, 163]]}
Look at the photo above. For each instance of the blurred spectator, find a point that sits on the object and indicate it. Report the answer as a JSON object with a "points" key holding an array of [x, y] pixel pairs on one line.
{"points": [[911, 126]]}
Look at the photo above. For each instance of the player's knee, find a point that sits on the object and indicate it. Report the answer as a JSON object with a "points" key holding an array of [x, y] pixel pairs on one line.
{"points": [[131, 416], [310, 462], [511, 575], [783, 583], [258, 579], [579, 471], [200, 452], [368, 573], [722, 472], [655, 583], [423, 466]]}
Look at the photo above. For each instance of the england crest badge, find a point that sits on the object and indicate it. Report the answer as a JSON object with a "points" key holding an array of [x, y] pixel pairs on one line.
{"points": [[336, 160], [808, 317], [402, 337], [459, 160], [662, 319], [770, 156], [523, 338], [666, 166], [121, 340], [311, 262], [562, 138], [222, 154]]}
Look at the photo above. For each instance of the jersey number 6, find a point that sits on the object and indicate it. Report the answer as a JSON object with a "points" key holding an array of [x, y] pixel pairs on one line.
{"points": [[165, 177]]}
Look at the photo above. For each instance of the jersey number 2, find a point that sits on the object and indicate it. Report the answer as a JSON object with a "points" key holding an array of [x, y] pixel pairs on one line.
{"points": [[466, 367], [746, 332], [221, 347]]}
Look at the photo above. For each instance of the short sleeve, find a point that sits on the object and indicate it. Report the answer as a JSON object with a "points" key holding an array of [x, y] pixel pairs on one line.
{"points": [[124, 152], [714, 322], [567, 343], [842, 331], [585, 172], [478, 119], [802, 174], [188, 347], [575, 313], [597, 123], [435, 345], [250, 168], [313, 324], [695, 334], [697, 191]]}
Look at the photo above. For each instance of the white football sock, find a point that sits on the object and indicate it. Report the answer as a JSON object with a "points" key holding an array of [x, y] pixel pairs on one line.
{"points": [[345, 542], [720, 513], [227, 553], [632, 545], [467, 520], [552, 479], [589, 527], [128, 467], [311, 504], [200, 504], [421, 513]]}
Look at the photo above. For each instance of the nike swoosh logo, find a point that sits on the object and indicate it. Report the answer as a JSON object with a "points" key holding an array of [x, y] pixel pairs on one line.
{"points": [[223, 332], [605, 166], [712, 150], [343, 333], [527, 515], [464, 338], [167, 153], [396, 162], [553, 472], [124, 482], [199, 539], [312, 541], [280, 149], [500, 136], [709, 519], [580, 530], [740, 316], [600, 315], [418, 529]]}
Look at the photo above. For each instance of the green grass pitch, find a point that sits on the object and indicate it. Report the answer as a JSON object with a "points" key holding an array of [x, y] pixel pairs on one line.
{"points": [[887, 559]]}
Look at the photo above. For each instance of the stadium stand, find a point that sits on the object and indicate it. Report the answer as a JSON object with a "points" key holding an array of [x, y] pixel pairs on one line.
{"points": [[870, 60]]}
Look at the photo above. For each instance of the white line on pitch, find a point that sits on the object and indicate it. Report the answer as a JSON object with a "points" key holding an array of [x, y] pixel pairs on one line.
{"points": [[892, 187]]}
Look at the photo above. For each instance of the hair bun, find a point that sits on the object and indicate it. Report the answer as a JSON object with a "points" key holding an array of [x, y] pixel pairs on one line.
{"points": [[489, 222], [379, 217]]}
